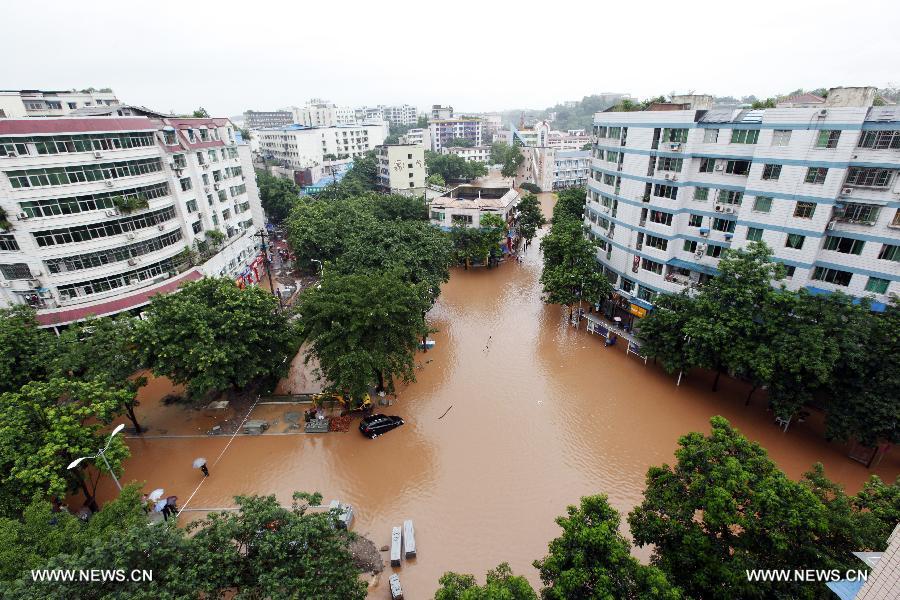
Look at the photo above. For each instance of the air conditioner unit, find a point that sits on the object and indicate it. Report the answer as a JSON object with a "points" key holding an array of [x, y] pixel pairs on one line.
{"points": [[675, 145], [674, 177], [134, 281], [161, 227], [728, 209], [34, 283], [718, 208], [22, 216], [108, 183], [4, 284], [822, 113], [698, 253], [831, 224], [846, 191], [216, 186], [720, 167], [112, 213], [130, 236], [132, 262], [704, 233], [98, 154], [668, 176]]}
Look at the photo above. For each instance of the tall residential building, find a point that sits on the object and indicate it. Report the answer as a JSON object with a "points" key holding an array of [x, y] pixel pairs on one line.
{"points": [[671, 190], [444, 130], [418, 137], [403, 115], [274, 118], [401, 168], [16, 104], [300, 147], [322, 113], [99, 211], [571, 168], [441, 112], [474, 154]]}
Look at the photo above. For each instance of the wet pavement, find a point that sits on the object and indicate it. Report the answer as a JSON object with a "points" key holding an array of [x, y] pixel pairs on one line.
{"points": [[541, 415]]}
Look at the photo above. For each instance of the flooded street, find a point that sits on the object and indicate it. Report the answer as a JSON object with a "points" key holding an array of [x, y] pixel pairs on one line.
{"points": [[541, 415]]}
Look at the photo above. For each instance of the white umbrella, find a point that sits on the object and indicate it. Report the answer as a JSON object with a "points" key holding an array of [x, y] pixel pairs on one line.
{"points": [[159, 506], [156, 494], [199, 462]]}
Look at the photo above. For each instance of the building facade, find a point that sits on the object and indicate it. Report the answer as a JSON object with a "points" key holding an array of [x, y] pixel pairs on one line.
{"points": [[403, 115], [465, 205], [322, 113], [302, 147], [473, 154], [439, 112], [443, 131], [100, 210], [275, 118], [671, 190], [15, 104], [401, 168], [418, 137], [571, 168]]}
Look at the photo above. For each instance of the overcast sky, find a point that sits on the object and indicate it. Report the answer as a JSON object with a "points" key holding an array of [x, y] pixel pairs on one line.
{"points": [[475, 55]]}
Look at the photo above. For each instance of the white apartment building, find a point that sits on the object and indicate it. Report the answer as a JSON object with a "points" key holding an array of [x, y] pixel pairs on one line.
{"points": [[15, 104], [444, 130], [474, 154], [571, 168], [401, 168], [255, 119], [403, 114], [101, 209], [671, 190], [439, 112], [417, 137], [302, 147], [465, 205], [322, 113]]}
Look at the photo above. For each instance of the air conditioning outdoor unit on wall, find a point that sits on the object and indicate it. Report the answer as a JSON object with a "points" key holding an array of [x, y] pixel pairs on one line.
{"points": [[108, 183], [846, 191], [98, 154]]}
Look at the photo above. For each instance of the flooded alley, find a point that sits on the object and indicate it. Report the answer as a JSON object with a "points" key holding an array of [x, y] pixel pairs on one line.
{"points": [[539, 415]]}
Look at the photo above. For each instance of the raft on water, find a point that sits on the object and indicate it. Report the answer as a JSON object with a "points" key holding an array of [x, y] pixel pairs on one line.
{"points": [[396, 590], [409, 538], [395, 547]]}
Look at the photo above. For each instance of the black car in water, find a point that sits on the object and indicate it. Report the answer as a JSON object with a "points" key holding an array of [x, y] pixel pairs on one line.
{"points": [[375, 425]]}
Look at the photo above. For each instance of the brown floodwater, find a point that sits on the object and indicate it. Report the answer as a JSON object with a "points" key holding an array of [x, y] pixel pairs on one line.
{"points": [[541, 415]]}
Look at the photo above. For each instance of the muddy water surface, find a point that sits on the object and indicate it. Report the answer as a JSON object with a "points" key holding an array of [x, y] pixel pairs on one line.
{"points": [[541, 415]]}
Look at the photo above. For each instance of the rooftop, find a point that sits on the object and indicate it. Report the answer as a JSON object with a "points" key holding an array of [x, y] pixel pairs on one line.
{"points": [[477, 198], [51, 125]]}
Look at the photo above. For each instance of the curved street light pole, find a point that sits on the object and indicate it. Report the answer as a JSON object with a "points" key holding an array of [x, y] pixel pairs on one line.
{"points": [[102, 454]]}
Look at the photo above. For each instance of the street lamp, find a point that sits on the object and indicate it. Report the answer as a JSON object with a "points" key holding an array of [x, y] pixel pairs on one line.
{"points": [[102, 454]]}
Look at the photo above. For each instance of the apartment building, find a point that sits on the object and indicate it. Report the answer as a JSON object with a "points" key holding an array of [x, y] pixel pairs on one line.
{"points": [[322, 113], [274, 118], [465, 205], [444, 130], [671, 190], [99, 210], [571, 168], [417, 137], [403, 115], [15, 104], [401, 168], [439, 112], [301, 147], [474, 154]]}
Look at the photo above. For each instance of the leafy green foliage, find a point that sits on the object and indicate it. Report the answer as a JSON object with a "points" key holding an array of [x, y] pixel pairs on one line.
{"points": [[25, 350], [213, 336], [45, 426], [452, 167], [360, 179], [530, 187], [397, 207], [530, 216], [509, 157], [320, 228], [593, 560], [569, 204], [570, 270], [501, 584], [662, 331], [459, 143], [200, 113], [364, 328], [436, 179], [277, 195], [266, 551]]}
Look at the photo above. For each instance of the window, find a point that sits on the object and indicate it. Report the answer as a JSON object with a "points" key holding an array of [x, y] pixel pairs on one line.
{"points": [[665, 191], [789, 271], [656, 242], [707, 165], [670, 164], [832, 276], [652, 266], [714, 251], [828, 138], [180, 161], [627, 285], [614, 133], [674, 135], [8, 243], [689, 246], [805, 210], [613, 157], [191, 206], [197, 226], [754, 234], [861, 213], [869, 177], [781, 137], [82, 173], [877, 285], [844, 245], [889, 252], [710, 136], [771, 171], [795, 241], [213, 157], [185, 184], [209, 199], [658, 216], [816, 175], [609, 179], [880, 140], [724, 225], [695, 220], [701, 194], [737, 167], [645, 293], [15, 271], [87, 202], [81, 233], [461, 219], [744, 136], [90, 260], [730, 197], [437, 216]]}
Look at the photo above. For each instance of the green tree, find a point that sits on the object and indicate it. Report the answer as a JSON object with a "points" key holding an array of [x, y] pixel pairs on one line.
{"points": [[530, 217], [422, 122], [491, 231], [570, 272], [569, 204], [200, 113], [459, 143], [42, 532], [467, 244], [277, 195], [592, 560], [213, 336], [103, 349], [452, 167], [264, 550], [320, 228], [509, 157], [436, 179], [501, 584], [25, 349], [44, 427], [530, 187], [662, 331], [767, 103], [397, 207], [363, 328], [725, 508]]}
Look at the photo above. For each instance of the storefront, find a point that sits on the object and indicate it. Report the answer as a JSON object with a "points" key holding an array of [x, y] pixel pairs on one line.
{"points": [[251, 273], [626, 308]]}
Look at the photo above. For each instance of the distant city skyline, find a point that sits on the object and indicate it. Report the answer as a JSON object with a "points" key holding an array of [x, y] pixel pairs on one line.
{"points": [[229, 57]]}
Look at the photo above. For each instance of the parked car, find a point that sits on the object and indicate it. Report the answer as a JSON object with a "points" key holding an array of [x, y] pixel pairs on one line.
{"points": [[375, 425]]}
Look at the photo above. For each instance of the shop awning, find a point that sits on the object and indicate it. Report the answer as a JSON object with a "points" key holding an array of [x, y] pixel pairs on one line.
{"points": [[692, 266]]}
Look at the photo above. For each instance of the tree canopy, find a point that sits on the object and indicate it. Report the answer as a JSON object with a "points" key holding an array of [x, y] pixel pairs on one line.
{"points": [[277, 195], [500, 584], [452, 167], [214, 336], [530, 216], [25, 350], [571, 273], [569, 204], [509, 157]]}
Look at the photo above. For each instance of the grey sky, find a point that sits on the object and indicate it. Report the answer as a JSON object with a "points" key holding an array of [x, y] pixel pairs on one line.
{"points": [[484, 55]]}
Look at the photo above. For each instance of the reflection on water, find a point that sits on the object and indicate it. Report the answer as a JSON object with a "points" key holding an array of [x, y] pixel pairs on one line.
{"points": [[541, 415]]}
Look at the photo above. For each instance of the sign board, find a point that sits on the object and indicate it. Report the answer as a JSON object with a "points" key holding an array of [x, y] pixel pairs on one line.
{"points": [[638, 311]]}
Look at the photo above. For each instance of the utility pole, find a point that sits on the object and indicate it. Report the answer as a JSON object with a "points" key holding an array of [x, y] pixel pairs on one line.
{"points": [[264, 246]]}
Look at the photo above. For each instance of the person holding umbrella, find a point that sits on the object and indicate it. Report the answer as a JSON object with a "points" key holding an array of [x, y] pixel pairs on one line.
{"points": [[200, 463]]}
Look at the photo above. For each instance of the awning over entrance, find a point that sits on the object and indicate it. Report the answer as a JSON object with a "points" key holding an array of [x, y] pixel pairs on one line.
{"points": [[692, 266]]}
